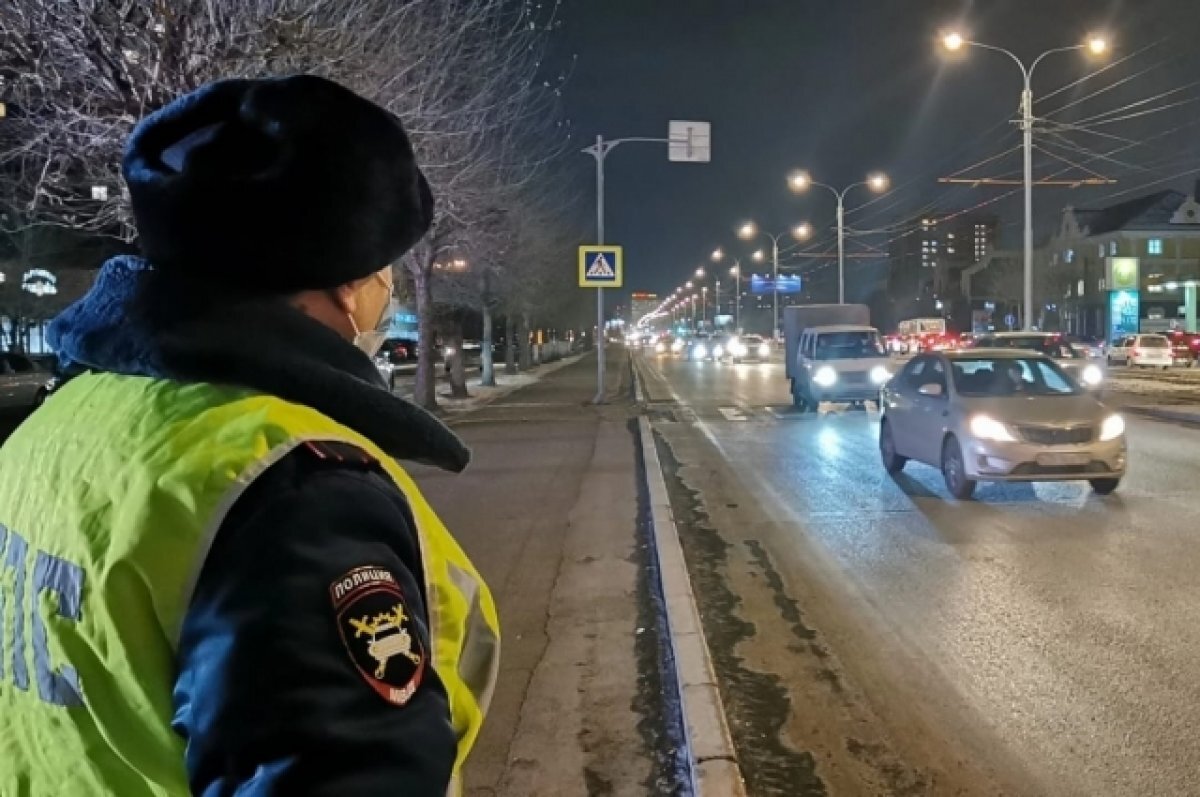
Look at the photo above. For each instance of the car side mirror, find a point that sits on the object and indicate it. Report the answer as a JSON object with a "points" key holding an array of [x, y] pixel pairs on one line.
{"points": [[932, 390]]}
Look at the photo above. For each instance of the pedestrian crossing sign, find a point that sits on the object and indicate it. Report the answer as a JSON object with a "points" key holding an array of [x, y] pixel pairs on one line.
{"points": [[600, 266]]}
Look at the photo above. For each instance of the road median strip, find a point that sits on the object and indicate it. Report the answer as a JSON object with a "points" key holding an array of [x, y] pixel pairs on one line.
{"points": [[711, 758]]}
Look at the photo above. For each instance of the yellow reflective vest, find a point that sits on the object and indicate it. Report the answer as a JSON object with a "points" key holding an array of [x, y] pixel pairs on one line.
{"points": [[110, 496]]}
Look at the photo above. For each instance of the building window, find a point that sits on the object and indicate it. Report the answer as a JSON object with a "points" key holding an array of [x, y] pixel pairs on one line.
{"points": [[1101, 251], [1100, 284], [1112, 247], [1154, 246], [1069, 256], [1081, 287]]}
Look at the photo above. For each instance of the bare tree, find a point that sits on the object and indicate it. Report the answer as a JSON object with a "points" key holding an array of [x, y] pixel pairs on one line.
{"points": [[466, 77]]}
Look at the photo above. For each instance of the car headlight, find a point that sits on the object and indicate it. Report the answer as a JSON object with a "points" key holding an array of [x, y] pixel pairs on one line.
{"points": [[718, 351], [825, 376], [449, 352], [987, 428], [1092, 376], [879, 375], [764, 350], [700, 351], [1112, 428], [677, 346], [660, 348]]}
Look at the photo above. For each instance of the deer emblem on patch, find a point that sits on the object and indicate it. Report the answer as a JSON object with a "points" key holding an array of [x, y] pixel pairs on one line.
{"points": [[387, 637]]}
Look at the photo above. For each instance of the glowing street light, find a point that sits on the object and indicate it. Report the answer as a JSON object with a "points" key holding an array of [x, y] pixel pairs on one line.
{"points": [[750, 230], [800, 181], [1096, 45]]}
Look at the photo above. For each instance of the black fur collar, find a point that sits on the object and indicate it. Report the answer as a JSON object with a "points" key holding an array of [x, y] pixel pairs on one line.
{"points": [[265, 346]]}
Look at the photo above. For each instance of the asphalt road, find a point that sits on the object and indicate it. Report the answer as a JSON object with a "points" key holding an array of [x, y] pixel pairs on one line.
{"points": [[874, 636]]}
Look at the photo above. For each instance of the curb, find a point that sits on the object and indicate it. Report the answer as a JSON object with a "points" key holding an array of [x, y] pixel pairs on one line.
{"points": [[711, 759], [1191, 419], [542, 370]]}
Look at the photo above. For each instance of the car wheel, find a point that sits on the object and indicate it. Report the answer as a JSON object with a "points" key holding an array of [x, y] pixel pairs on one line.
{"points": [[954, 471], [892, 462], [1105, 486]]}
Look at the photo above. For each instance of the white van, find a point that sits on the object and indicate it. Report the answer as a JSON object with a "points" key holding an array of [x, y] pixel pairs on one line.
{"points": [[844, 363]]}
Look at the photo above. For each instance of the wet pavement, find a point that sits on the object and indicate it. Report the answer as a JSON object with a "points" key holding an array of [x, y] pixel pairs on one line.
{"points": [[874, 636]]}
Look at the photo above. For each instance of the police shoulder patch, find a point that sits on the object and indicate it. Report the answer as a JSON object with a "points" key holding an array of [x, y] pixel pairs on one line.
{"points": [[378, 632]]}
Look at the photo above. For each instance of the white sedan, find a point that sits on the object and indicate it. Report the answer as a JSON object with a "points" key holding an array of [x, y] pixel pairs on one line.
{"points": [[999, 415]]}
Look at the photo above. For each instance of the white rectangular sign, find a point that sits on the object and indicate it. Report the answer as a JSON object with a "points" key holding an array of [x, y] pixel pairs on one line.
{"points": [[689, 142]]}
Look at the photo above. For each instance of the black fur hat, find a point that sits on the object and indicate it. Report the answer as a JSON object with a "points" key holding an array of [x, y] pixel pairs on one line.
{"points": [[274, 186]]}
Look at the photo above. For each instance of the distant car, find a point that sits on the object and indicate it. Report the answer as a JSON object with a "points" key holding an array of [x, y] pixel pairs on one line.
{"points": [[1055, 346], [399, 350], [1142, 351], [999, 415], [22, 383], [1185, 348], [748, 348], [387, 370], [701, 347], [1089, 346]]}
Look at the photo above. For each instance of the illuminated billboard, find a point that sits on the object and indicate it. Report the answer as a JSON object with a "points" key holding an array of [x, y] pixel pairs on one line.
{"points": [[764, 284]]}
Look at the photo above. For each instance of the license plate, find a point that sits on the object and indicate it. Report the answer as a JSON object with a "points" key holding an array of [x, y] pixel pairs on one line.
{"points": [[1061, 459]]}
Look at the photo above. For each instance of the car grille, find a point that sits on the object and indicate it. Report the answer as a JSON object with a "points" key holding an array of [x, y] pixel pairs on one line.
{"points": [[854, 377], [1093, 468], [1056, 436]]}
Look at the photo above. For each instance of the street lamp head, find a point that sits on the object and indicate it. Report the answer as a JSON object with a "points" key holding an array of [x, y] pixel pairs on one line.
{"points": [[802, 231], [1097, 44], [953, 40], [700, 272], [759, 256], [878, 182], [748, 231], [735, 271], [718, 255], [689, 285], [799, 180]]}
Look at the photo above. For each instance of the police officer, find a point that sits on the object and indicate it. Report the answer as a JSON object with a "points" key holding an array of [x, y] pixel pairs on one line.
{"points": [[215, 576]]}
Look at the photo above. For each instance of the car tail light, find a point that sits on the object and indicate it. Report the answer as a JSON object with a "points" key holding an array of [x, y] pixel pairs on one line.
{"points": [[1138, 352]]}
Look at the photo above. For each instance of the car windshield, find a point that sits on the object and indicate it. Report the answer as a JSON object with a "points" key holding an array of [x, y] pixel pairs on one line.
{"points": [[1010, 376], [1153, 343], [1050, 346], [849, 345], [752, 340]]}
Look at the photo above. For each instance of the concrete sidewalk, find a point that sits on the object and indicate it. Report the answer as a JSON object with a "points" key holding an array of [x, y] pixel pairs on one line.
{"points": [[549, 511]]}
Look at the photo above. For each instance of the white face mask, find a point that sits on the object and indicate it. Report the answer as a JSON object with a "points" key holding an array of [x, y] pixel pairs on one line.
{"points": [[372, 339]]}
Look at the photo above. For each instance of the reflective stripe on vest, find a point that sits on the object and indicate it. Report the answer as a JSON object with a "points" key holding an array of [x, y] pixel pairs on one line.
{"points": [[110, 496]]}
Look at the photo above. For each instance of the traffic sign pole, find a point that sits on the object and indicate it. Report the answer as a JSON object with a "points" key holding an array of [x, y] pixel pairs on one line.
{"points": [[688, 142], [600, 336]]}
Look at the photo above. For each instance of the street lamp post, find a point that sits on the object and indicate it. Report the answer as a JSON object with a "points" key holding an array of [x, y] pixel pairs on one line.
{"points": [[878, 182], [1097, 45], [750, 231], [736, 272]]}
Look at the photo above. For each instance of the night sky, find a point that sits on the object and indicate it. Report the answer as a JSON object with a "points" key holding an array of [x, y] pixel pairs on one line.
{"points": [[844, 87]]}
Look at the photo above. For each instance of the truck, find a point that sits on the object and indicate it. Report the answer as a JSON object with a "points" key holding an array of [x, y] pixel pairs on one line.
{"points": [[833, 354]]}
